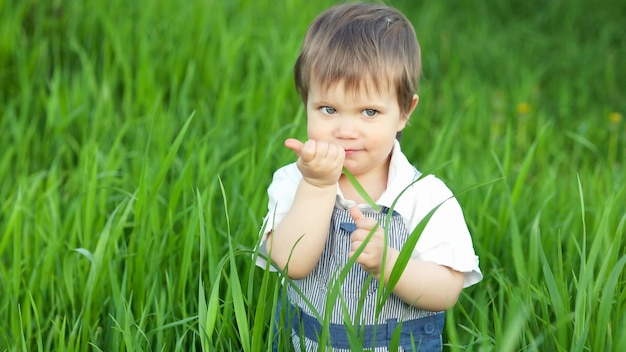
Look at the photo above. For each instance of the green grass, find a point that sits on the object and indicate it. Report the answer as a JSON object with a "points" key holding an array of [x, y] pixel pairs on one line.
{"points": [[138, 138]]}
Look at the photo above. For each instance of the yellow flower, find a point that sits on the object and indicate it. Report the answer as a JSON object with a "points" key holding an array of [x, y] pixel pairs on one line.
{"points": [[615, 117], [523, 108]]}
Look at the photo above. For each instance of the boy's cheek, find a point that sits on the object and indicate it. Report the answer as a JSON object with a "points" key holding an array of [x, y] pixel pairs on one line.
{"points": [[317, 129]]}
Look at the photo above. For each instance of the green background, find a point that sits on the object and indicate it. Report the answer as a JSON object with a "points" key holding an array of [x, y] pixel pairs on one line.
{"points": [[138, 138]]}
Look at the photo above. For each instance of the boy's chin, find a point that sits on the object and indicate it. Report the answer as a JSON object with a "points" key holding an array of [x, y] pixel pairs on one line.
{"points": [[352, 169]]}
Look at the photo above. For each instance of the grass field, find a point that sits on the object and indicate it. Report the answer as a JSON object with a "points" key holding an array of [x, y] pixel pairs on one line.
{"points": [[138, 138]]}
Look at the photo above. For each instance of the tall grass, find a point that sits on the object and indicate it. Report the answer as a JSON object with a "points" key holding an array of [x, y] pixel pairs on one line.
{"points": [[138, 138]]}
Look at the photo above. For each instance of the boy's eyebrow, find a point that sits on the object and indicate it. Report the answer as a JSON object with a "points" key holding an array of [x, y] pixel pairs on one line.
{"points": [[372, 106], [322, 100], [319, 102], [367, 105]]}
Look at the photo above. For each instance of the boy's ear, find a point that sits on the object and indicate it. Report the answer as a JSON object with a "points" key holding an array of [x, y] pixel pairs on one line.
{"points": [[414, 102], [406, 116]]}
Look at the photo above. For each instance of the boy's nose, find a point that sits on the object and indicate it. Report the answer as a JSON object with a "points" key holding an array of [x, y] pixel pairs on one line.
{"points": [[346, 128]]}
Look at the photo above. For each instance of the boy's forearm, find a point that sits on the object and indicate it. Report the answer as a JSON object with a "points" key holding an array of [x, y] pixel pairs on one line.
{"points": [[426, 285], [300, 237]]}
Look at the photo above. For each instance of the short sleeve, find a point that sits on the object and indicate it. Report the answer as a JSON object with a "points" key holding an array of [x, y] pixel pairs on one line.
{"points": [[281, 193], [446, 240]]}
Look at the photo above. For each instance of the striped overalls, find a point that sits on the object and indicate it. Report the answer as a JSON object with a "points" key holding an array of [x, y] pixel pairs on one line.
{"points": [[419, 330]]}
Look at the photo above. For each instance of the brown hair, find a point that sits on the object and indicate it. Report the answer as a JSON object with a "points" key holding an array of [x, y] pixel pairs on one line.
{"points": [[356, 41]]}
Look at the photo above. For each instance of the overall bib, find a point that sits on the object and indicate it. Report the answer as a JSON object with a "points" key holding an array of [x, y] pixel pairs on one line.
{"points": [[419, 330]]}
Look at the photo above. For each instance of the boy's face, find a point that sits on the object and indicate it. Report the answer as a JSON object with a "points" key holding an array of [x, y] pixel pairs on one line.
{"points": [[364, 123]]}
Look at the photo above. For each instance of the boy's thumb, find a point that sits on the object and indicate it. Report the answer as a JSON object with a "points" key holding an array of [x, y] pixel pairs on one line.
{"points": [[294, 145], [356, 214]]}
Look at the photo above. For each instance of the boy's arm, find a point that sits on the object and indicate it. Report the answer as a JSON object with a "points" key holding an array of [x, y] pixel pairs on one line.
{"points": [[298, 240], [425, 285]]}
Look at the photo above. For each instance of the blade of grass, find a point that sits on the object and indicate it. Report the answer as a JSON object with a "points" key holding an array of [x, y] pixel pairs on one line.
{"points": [[235, 286], [357, 186], [604, 332]]}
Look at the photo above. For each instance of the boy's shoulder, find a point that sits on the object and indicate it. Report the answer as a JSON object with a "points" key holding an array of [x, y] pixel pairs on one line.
{"points": [[431, 184], [286, 179], [288, 172]]}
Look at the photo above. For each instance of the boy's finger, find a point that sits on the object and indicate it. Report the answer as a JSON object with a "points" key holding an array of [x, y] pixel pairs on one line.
{"points": [[294, 145], [356, 214], [361, 221]]}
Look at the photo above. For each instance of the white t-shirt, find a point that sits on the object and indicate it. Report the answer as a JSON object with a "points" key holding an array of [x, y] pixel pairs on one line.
{"points": [[445, 239]]}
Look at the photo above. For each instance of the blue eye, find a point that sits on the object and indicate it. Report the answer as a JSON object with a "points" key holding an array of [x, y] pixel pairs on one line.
{"points": [[370, 112], [328, 110]]}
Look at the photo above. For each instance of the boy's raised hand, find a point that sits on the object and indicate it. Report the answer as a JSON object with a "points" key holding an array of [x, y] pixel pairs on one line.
{"points": [[371, 259], [319, 162]]}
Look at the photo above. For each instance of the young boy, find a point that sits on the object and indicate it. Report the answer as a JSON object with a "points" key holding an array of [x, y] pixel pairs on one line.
{"points": [[357, 74]]}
